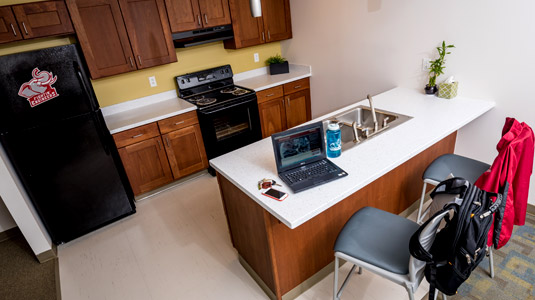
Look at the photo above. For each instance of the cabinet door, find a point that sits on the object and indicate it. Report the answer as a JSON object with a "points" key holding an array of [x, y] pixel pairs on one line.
{"points": [[148, 29], [43, 19], [272, 116], [214, 12], [9, 31], [146, 165], [102, 35], [183, 15], [277, 20], [185, 150], [298, 108], [248, 31]]}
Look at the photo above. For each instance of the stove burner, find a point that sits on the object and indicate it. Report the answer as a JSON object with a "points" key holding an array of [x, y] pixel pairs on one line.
{"points": [[239, 91], [228, 90], [205, 101]]}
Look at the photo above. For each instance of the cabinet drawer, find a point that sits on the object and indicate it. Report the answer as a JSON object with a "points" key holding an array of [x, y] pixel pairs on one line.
{"points": [[272, 93], [296, 86], [134, 135], [177, 122]]}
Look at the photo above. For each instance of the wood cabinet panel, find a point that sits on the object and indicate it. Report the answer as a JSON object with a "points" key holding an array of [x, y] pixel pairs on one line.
{"points": [[41, 19], [214, 12], [102, 35], [146, 165], [177, 122], [148, 29], [248, 31], [269, 94], [272, 116], [135, 135], [298, 108], [183, 15], [296, 86], [185, 150], [9, 31], [277, 20]]}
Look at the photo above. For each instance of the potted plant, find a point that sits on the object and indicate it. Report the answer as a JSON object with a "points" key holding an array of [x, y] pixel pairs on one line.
{"points": [[277, 65], [436, 68]]}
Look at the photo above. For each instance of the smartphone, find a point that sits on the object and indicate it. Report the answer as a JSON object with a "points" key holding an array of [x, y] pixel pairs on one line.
{"points": [[275, 194]]}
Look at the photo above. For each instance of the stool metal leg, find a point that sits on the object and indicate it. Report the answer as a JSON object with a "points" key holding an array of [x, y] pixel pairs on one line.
{"points": [[491, 262], [335, 288], [420, 217]]}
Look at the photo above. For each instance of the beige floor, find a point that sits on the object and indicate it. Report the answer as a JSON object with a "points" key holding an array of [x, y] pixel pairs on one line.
{"points": [[177, 247]]}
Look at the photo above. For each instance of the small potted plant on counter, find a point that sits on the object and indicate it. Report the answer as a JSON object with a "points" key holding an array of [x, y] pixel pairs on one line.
{"points": [[277, 65], [437, 68]]}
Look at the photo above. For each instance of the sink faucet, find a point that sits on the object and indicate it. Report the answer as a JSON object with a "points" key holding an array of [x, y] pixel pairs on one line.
{"points": [[375, 125]]}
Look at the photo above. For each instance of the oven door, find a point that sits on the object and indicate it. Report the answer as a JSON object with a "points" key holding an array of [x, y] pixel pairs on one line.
{"points": [[230, 127]]}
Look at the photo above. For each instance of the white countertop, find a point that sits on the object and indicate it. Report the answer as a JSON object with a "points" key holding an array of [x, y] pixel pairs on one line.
{"points": [[433, 119], [259, 79], [142, 111]]}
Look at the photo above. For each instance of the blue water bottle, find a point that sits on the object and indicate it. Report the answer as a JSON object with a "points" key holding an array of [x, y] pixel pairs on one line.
{"points": [[334, 140]]}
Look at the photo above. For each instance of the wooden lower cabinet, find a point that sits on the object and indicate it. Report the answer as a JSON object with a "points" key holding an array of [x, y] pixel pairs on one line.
{"points": [[185, 151], [289, 107], [146, 165]]}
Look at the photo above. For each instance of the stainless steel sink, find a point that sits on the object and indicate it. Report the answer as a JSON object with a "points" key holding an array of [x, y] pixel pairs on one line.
{"points": [[357, 126]]}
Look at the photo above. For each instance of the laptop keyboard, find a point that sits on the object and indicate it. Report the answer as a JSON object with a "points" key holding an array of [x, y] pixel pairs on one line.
{"points": [[313, 170]]}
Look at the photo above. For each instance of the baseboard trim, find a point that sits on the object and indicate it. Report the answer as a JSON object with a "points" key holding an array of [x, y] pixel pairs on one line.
{"points": [[10, 233], [47, 255], [531, 209], [58, 285], [257, 278]]}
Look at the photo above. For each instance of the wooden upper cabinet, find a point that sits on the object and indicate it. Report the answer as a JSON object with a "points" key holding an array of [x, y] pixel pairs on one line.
{"points": [[102, 35], [277, 20], [214, 12], [185, 15], [41, 19], [9, 31], [148, 29], [248, 31]]}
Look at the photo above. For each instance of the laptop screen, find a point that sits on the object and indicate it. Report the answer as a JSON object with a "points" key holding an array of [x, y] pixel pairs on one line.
{"points": [[297, 146]]}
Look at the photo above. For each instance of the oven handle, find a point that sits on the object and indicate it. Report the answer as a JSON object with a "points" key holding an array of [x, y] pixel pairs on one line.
{"points": [[227, 107]]}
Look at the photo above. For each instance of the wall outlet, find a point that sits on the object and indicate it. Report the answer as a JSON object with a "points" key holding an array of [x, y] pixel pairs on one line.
{"points": [[426, 64], [256, 57], [152, 81]]}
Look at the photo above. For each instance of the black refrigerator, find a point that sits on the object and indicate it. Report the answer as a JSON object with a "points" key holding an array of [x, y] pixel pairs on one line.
{"points": [[54, 134]]}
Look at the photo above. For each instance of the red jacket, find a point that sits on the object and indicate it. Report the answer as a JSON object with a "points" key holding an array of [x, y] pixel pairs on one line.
{"points": [[511, 172]]}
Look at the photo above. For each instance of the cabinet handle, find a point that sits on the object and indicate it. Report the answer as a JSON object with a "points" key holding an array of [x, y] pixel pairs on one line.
{"points": [[263, 39], [131, 61], [25, 30], [167, 141], [159, 144], [269, 36], [177, 123], [13, 28], [139, 59], [288, 101], [270, 95], [205, 19], [199, 19], [137, 135], [297, 86]]}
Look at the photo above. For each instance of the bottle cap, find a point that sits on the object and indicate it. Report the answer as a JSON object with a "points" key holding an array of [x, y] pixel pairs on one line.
{"points": [[333, 126]]}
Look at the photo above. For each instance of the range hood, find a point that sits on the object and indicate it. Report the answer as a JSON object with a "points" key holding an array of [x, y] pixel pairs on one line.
{"points": [[202, 36]]}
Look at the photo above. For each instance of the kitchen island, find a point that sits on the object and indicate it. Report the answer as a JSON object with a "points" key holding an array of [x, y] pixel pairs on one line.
{"points": [[283, 244]]}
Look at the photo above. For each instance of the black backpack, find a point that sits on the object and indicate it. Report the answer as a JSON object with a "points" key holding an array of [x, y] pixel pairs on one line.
{"points": [[461, 245]]}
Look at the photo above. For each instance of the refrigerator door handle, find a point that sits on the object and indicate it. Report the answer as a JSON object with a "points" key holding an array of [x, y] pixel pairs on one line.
{"points": [[94, 106], [101, 135]]}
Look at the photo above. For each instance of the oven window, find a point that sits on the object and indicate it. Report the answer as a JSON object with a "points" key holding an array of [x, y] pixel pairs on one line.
{"points": [[232, 124]]}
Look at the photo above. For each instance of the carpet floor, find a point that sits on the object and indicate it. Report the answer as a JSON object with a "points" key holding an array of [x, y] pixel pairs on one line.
{"points": [[22, 276], [514, 269]]}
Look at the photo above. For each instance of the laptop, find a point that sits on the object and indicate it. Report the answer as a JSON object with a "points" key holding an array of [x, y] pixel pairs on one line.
{"points": [[301, 158]]}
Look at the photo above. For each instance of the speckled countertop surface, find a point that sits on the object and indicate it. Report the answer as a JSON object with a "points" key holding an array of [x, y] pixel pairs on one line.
{"points": [[259, 79], [433, 119]]}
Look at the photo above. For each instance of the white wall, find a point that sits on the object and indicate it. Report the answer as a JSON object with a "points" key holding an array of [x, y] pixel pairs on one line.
{"points": [[6, 221], [358, 47]]}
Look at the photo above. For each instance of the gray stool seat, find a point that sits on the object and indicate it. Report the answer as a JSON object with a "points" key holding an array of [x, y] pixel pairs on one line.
{"points": [[378, 238], [457, 165]]}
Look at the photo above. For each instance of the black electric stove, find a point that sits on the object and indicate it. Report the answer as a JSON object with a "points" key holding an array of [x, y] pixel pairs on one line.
{"points": [[228, 114]]}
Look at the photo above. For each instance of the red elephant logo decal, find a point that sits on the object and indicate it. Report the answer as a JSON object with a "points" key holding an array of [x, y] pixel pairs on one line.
{"points": [[39, 89]]}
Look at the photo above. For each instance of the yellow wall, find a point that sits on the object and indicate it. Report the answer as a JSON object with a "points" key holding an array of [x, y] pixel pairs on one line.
{"points": [[133, 85]]}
